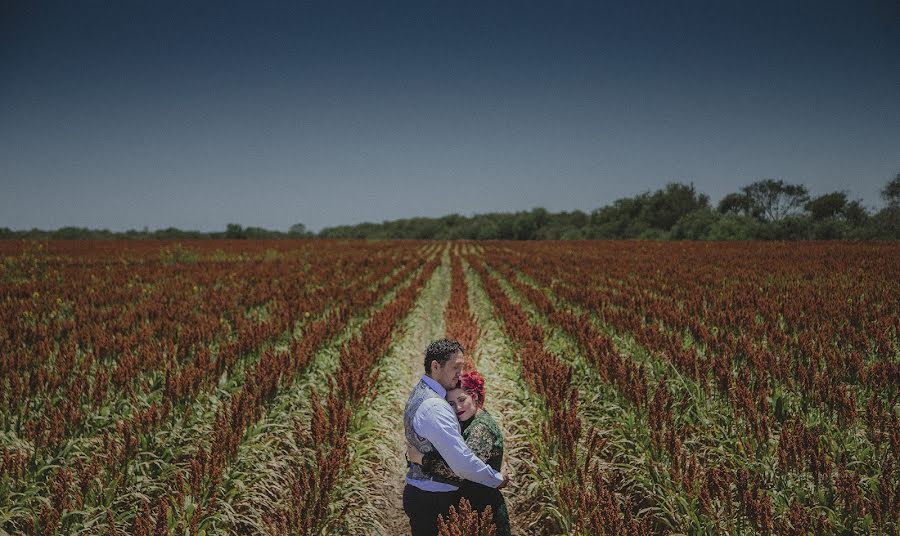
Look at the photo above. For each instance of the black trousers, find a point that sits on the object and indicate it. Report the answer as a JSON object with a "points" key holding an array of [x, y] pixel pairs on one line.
{"points": [[423, 507]]}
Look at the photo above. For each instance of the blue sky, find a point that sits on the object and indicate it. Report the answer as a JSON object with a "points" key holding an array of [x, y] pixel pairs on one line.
{"points": [[131, 114]]}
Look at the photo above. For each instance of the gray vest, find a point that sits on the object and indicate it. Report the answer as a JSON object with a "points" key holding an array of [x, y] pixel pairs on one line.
{"points": [[421, 392]]}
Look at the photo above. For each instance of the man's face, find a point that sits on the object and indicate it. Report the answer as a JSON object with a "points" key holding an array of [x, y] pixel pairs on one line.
{"points": [[448, 374]]}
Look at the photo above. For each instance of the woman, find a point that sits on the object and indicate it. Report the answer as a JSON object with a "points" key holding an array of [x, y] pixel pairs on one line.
{"points": [[483, 436]]}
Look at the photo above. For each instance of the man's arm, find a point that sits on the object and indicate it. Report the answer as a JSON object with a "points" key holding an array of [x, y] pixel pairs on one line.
{"points": [[432, 464], [480, 441], [436, 422]]}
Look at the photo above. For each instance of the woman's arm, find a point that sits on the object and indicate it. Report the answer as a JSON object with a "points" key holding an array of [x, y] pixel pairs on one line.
{"points": [[480, 440], [432, 464]]}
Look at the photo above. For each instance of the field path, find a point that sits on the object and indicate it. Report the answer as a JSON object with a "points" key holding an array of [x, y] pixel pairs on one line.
{"points": [[507, 401], [376, 505], [514, 408]]}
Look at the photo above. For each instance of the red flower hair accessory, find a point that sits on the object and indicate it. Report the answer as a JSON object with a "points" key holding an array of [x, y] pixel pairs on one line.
{"points": [[473, 383]]}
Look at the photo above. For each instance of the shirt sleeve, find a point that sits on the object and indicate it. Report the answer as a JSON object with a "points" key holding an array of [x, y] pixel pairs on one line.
{"points": [[480, 440], [436, 422]]}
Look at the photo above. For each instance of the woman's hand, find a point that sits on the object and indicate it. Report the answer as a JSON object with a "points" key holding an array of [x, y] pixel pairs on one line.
{"points": [[413, 454]]}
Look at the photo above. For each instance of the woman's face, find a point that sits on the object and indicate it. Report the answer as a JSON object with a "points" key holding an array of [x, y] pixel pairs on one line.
{"points": [[463, 404]]}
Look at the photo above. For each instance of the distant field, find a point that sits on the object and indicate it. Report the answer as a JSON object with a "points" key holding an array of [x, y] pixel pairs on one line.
{"points": [[257, 387]]}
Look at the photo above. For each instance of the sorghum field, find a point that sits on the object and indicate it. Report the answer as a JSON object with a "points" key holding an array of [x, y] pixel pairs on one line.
{"points": [[219, 387]]}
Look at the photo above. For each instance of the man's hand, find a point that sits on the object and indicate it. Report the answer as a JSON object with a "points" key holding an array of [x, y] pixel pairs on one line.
{"points": [[413, 454], [505, 476]]}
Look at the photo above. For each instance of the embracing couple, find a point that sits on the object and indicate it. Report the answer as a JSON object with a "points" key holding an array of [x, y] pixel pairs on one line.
{"points": [[455, 448]]}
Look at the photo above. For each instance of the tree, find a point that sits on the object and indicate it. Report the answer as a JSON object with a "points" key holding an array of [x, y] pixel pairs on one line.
{"points": [[298, 230], [827, 205], [622, 219], [665, 207], [774, 200], [233, 230], [736, 203], [891, 192], [487, 231], [887, 220], [855, 213], [695, 225], [734, 227]]}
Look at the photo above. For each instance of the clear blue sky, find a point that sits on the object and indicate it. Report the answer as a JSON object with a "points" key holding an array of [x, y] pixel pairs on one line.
{"points": [[125, 114]]}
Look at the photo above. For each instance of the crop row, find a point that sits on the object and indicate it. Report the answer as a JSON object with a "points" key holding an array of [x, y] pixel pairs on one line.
{"points": [[868, 489], [585, 492], [307, 508], [104, 474]]}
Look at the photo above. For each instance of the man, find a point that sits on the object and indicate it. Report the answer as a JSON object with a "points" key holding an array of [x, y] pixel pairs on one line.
{"points": [[431, 424]]}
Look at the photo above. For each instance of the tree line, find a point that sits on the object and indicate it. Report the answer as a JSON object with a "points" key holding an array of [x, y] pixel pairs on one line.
{"points": [[232, 231], [764, 210], [767, 209]]}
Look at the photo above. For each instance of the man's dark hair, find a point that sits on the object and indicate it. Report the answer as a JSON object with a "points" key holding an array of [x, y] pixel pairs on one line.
{"points": [[440, 351]]}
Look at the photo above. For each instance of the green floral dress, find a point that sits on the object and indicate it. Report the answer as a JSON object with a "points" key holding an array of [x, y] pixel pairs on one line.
{"points": [[484, 437]]}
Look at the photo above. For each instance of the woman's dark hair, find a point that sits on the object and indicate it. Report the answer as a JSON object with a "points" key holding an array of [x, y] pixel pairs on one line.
{"points": [[440, 351]]}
